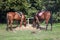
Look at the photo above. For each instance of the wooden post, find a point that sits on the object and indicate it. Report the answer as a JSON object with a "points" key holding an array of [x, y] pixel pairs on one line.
{"points": [[28, 21]]}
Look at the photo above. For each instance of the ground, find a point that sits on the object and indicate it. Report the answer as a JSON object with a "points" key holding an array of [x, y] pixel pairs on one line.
{"points": [[28, 35], [28, 27]]}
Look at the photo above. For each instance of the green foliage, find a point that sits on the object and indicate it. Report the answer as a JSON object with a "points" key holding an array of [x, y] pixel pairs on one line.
{"points": [[30, 7]]}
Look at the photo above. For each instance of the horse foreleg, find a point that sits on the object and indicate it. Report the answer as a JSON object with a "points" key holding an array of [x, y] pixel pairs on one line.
{"points": [[37, 22], [21, 23], [25, 22]]}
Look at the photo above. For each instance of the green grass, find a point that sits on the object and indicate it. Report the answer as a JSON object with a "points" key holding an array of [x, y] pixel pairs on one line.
{"points": [[27, 35]]}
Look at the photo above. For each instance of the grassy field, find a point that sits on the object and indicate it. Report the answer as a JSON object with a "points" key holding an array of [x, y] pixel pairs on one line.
{"points": [[28, 35]]}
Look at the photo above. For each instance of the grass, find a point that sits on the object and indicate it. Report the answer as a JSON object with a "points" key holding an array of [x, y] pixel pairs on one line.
{"points": [[27, 35]]}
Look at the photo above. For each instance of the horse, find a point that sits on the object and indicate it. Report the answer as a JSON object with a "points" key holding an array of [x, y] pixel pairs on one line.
{"points": [[11, 16], [43, 15]]}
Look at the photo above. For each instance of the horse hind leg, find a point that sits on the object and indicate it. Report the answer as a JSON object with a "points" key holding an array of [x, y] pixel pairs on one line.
{"points": [[46, 24], [51, 25], [11, 25], [8, 23]]}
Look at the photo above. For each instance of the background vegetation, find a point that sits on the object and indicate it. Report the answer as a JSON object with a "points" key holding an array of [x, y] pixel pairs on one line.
{"points": [[29, 7]]}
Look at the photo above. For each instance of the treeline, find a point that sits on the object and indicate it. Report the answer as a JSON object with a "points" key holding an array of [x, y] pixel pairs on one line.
{"points": [[30, 7]]}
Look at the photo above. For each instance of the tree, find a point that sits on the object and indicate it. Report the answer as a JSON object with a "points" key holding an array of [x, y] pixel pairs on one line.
{"points": [[30, 7]]}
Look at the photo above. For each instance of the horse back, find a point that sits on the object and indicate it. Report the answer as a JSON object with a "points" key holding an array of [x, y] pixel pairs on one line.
{"points": [[12, 15], [45, 15]]}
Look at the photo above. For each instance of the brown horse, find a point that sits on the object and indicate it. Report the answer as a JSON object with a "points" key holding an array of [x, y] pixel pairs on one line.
{"points": [[11, 16], [44, 15]]}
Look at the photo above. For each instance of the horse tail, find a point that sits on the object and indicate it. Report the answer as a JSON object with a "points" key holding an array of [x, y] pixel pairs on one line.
{"points": [[51, 20], [7, 21], [7, 17]]}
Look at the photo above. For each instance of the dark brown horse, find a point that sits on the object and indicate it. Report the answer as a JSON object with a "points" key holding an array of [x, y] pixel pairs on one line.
{"points": [[44, 15], [11, 16]]}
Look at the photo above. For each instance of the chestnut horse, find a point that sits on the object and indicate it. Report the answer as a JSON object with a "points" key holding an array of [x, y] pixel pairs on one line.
{"points": [[44, 15], [11, 16]]}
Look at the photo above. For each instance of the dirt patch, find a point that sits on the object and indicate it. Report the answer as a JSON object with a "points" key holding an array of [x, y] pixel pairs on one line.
{"points": [[28, 27]]}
